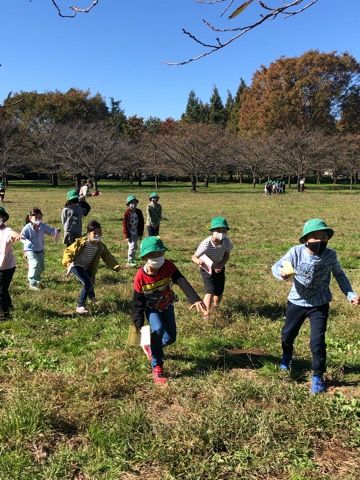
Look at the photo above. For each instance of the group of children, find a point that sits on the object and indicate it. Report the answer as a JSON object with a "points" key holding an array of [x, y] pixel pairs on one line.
{"points": [[309, 264]]}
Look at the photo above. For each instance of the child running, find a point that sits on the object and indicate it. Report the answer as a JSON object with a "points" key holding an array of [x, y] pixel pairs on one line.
{"points": [[7, 264], [71, 218], [82, 259], [311, 264], [33, 239], [212, 255], [154, 298], [133, 225]]}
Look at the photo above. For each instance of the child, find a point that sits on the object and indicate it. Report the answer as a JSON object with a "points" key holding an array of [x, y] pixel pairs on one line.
{"points": [[154, 297], [217, 248], [2, 192], [82, 259], [71, 218], [32, 236], [311, 263], [84, 192], [154, 215], [133, 223], [7, 264]]}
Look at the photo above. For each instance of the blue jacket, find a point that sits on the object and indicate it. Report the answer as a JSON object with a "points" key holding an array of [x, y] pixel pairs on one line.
{"points": [[34, 241]]}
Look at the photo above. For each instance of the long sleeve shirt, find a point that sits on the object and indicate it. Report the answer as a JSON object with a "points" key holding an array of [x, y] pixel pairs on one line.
{"points": [[311, 282], [34, 240], [155, 290]]}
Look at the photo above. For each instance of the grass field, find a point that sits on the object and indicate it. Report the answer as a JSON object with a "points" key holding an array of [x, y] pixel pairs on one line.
{"points": [[77, 403]]}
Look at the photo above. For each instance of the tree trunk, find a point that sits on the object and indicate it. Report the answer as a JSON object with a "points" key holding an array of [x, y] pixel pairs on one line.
{"points": [[54, 180], [139, 178], [78, 180], [289, 180], [193, 183], [318, 178], [156, 178], [334, 176], [254, 181], [206, 181]]}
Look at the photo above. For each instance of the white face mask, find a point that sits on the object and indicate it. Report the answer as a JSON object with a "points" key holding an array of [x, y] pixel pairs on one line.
{"points": [[156, 262], [132, 206], [37, 222], [96, 239], [219, 236]]}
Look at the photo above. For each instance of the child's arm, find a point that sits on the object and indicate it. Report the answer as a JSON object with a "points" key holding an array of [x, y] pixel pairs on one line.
{"points": [[222, 264], [109, 259], [138, 309], [15, 236], [190, 293], [344, 283], [277, 268]]}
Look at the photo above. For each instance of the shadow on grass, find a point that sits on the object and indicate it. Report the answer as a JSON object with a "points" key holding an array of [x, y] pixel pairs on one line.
{"points": [[273, 311]]}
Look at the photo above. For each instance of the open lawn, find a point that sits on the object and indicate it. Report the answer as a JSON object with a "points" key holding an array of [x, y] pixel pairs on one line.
{"points": [[77, 403]]}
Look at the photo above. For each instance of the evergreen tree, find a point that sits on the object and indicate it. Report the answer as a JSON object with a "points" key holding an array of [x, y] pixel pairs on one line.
{"points": [[217, 112], [234, 113], [194, 109]]}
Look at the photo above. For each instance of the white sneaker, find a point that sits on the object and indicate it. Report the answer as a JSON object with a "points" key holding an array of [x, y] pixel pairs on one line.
{"points": [[81, 310], [34, 287]]}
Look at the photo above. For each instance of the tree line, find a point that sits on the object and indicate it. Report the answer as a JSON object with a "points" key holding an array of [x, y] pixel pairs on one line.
{"points": [[299, 116]]}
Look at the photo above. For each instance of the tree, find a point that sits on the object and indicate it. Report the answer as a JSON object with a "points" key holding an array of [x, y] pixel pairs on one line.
{"points": [[267, 13], [217, 111], [310, 91], [12, 147], [74, 9], [233, 123], [195, 111], [192, 150]]}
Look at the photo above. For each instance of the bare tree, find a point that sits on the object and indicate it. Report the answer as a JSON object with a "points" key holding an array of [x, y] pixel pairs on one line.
{"points": [[74, 9], [12, 147], [286, 10]]}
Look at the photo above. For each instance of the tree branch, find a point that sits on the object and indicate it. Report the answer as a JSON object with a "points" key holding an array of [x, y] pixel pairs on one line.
{"points": [[75, 9], [287, 10]]}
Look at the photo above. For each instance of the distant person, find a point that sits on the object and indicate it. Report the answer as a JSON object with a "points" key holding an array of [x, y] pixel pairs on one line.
{"points": [[310, 265], [154, 215], [302, 185], [82, 260], [71, 218], [7, 264], [215, 249], [133, 226], [153, 298], [33, 239], [84, 193], [2, 192]]}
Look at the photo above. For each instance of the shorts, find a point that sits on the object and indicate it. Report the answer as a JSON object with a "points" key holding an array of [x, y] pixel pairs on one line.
{"points": [[214, 283]]}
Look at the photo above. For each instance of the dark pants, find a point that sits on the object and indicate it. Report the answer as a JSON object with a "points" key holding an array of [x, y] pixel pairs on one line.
{"points": [[88, 288], [295, 317], [153, 231], [5, 299]]}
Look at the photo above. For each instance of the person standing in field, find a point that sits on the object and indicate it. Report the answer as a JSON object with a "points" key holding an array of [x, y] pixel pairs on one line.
{"points": [[212, 255], [154, 298], [71, 218], [2, 192], [311, 265], [84, 193], [154, 215], [133, 226], [7, 264], [33, 239]]}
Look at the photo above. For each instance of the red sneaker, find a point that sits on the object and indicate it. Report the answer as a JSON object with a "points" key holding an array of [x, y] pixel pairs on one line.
{"points": [[158, 375], [147, 351]]}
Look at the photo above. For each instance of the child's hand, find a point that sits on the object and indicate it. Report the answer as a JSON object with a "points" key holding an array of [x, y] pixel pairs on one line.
{"points": [[356, 301], [284, 275], [200, 306], [15, 236]]}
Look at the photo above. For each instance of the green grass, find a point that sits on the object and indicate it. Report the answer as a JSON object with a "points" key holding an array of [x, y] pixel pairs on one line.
{"points": [[77, 403]]}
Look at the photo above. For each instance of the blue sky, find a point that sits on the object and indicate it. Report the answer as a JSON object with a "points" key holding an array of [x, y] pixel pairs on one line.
{"points": [[118, 48]]}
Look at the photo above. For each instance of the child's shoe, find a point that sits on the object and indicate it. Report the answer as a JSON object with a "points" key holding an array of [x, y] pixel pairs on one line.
{"points": [[285, 362], [34, 287], [158, 375], [147, 351], [318, 385], [81, 310], [131, 263]]}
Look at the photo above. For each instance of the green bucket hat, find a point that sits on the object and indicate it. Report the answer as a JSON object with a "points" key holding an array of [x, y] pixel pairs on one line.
{"points": [[151, 244], [4, 214], [314, 225], [152, 195], [219, 222], [130, 198], [72, 195]]}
